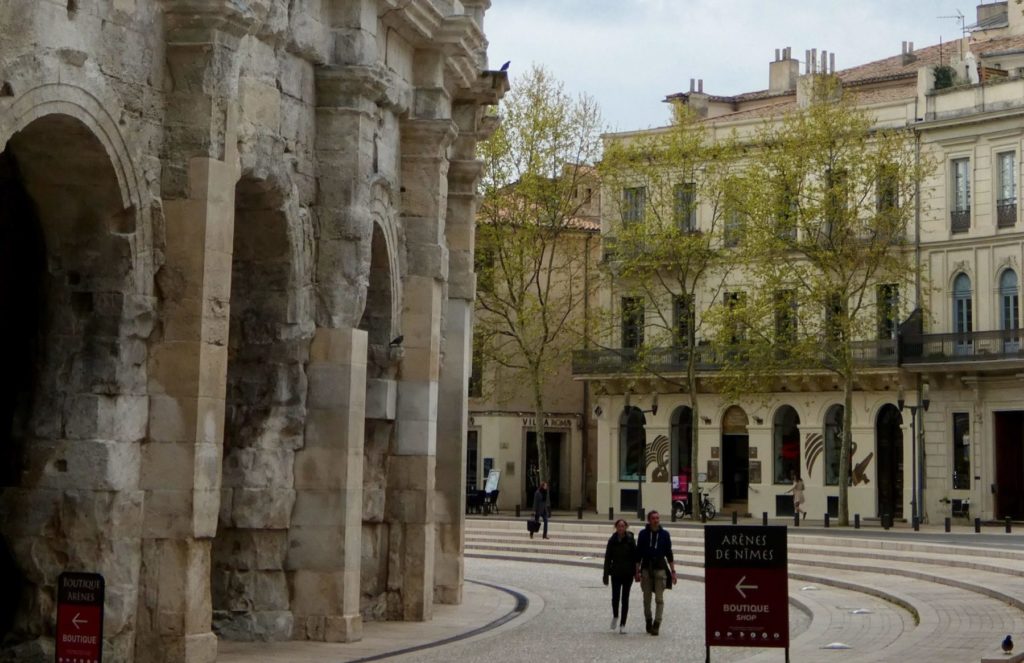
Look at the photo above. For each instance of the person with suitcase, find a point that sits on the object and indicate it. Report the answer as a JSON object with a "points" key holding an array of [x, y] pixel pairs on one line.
{"points": [[541, 507]]}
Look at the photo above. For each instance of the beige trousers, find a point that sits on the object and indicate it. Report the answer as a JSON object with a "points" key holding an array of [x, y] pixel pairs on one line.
{"points": [[653, 582]]}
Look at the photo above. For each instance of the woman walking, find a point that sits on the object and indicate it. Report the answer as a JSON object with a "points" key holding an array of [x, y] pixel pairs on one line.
{"points": [[798, 494], [542, 506], [620, 566]]}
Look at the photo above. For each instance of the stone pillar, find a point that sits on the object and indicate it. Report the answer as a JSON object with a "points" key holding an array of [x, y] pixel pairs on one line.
{"points": [[324, 539], [450, 506], [188, 358], [411, 481]]}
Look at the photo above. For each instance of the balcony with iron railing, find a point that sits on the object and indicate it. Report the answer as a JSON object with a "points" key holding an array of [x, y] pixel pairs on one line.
{"points": [[1006, 212], [960, 220], [972, 347], [673, 360]]}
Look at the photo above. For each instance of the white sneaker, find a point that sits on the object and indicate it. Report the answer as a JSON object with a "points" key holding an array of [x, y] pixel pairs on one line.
{"points": [[622, 628], [615, 622]]}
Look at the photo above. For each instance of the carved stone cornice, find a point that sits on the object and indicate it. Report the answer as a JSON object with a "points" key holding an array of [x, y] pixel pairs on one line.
{"points": [[427, 139], [203, 21], [348, 85], [463, 175]]}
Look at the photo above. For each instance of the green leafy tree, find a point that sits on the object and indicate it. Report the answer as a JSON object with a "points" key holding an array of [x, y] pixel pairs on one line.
{"points": [[828, 246], [538, 166], [673, 197]]}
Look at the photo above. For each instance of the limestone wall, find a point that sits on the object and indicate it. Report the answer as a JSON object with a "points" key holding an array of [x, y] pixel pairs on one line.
{"points": [[245, 296]]}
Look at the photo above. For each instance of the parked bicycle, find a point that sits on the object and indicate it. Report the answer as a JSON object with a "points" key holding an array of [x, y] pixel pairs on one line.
{"points": [[681, 505]]}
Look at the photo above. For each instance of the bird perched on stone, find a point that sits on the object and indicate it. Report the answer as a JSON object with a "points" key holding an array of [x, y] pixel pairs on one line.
{"points": [[504, 67], [1007, 645]]}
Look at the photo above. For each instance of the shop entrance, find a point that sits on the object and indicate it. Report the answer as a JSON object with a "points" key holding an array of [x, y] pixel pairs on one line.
{"points": [[1009, 465], [553, 442], [735, 460], [889, 443]]}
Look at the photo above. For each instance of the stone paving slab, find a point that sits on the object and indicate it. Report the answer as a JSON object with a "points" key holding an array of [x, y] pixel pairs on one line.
{"points": [[481, 605]]}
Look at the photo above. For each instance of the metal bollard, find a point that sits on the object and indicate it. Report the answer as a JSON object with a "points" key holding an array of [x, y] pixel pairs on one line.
{"points": [[673, 515], [764, 518], [611, 513], [885, 521], [579, 513], [735, 517], [917, 524], [641, 513], [856, 521], [796, 519], [826, 520], [977, 525], [703, 516], [517, 511], [1009, 527], [949, 524]]}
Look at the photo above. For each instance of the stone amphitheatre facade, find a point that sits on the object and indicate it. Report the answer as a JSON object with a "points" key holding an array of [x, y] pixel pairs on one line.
{"points": [[236, 282]]}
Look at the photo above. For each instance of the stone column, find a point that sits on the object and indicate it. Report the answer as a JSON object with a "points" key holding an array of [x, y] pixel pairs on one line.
{"points": [[324, 539], [411, 480], [188, 358], [450, 505]]}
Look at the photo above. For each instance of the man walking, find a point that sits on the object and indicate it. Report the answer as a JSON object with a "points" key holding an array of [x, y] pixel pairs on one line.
{"points": [[655, 568]]}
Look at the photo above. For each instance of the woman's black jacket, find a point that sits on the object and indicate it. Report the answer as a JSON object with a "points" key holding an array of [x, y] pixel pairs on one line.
{"points": [[620, 555]]}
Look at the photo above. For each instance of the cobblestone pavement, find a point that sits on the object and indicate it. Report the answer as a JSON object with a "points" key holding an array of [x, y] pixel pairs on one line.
{"points": [[573, 626]]}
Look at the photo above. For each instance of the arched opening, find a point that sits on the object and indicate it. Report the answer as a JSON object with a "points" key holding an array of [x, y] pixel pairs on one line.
{"points": [[681, 435], [889, 443], [632, 446], [735, 460], [963, 315], [70, 399], [786, 444], [833, 443], [264, 413], [1009, 310], [383, 354]]}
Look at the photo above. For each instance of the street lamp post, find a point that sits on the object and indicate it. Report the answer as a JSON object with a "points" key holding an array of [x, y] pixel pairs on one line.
{"points": [[915, 496]]}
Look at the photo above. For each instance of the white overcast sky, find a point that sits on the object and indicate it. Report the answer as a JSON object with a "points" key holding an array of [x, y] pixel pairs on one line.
{"points": [[629, 54]]}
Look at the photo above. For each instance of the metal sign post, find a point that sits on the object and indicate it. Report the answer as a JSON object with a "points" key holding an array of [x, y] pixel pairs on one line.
{"points": [[79, 618], [746, 587]]}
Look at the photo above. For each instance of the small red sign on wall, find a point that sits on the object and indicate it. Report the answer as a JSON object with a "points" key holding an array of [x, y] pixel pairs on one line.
{"points": [[79, 618]]}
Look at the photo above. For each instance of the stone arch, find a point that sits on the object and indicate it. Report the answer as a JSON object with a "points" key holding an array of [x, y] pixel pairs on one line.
{"points": [[268, 343], [76, 403], [681, 436], [96, 115], [384, 352], [785, 444]]}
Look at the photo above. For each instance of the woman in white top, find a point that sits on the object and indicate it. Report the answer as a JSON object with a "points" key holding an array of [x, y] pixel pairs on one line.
{"points": [[798, 494]]}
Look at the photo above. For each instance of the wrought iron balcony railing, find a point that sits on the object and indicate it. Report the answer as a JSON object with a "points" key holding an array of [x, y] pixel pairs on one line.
{"points": [[964, 346], [1006, 212], [960, 220], [666, 360]]}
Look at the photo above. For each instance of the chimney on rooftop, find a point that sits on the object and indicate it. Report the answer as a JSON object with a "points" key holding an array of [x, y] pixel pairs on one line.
{"points": [[993, 12], [696, 99], [783, 72], [908, 52]]}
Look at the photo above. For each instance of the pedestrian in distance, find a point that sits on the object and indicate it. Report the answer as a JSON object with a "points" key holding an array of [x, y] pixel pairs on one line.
{"points": [[619, 567], [655, 568], [542, 506], [798, 494]]}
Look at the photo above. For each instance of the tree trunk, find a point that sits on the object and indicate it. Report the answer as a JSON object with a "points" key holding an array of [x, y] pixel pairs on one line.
{"points": [[538, 429], [691, 379], [844, 452]]}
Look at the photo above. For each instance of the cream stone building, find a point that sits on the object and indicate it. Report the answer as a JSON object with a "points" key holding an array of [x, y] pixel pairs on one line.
{"points": [[501, 433], [237, 288], [958, 344]]}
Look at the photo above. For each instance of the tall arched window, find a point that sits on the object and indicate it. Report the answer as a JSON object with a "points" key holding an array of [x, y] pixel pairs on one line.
{"points": [[833, 444], [632, 436], [963, 315], [786, 444], [1009, 309], [682, 448]]}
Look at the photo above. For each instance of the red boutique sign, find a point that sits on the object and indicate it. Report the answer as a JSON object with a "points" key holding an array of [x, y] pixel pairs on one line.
{"points": [[79, 618], [746, 587]]}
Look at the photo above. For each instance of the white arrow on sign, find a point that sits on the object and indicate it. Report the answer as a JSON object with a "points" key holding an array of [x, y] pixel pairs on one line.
{"points": [[76, 621], [740, 587]]}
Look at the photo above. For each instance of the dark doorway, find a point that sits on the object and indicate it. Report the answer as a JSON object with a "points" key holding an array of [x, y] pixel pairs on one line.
{"points": [[553, 442], [889, 443], [735, 468], [1010, 465]]}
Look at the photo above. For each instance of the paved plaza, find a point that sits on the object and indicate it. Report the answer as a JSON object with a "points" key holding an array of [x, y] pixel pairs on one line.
{"points": [[887, 596]]}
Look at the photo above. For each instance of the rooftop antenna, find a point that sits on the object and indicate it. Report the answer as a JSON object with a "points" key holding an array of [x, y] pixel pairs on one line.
{"points": [[959, 17]]}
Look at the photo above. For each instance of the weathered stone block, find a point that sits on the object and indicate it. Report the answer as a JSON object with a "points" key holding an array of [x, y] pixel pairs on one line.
{"points": [[262, 508]]}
